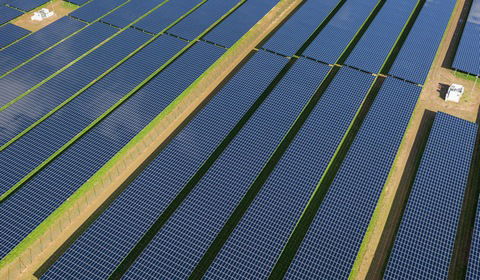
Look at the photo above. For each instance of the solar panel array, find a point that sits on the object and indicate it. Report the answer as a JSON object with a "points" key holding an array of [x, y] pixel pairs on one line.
{"points": [[423, 246], [340, 30], [96, 9], [238, 23], [35, 71], [183, 240], [288, 39], [37, 42], [252, 249], [109, 239], [44, 192], [418, 51], [375, 45], [331, 244], [9, 33], [473, 269], [45, 98], [77, 2], [7, 14], [467, 58], [130, 12], [26, 5]]}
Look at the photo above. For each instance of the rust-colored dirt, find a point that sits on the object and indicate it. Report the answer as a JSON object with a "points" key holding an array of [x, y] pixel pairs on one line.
{"points": [[59, 7]]}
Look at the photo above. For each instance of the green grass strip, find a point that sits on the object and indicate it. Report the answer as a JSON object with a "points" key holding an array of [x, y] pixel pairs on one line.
{"points": [[85, 188], [67, 4], [4, 146], [465, 76], [81, 56], [59, 42]]}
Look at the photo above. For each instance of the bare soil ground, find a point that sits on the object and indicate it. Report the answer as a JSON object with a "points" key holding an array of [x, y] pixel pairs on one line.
{"points": [[431, 100], [59, 7]]}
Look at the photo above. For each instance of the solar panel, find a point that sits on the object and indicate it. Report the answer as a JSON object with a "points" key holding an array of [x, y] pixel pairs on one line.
{"points": [[375, 44], [288, 39], [424, 243], [77, 2], [43, 193], [473, 269], [130, 12], [26, 5], [9, 33], [7, 14], [165, 15], [239, 22], [28, 47], [199, 20], [180, 244], [467, 58], [332, 242], [419, 49], [23, 158], [253, 247], [110, 238], [40, 68], [340, 30], [96, 9]]}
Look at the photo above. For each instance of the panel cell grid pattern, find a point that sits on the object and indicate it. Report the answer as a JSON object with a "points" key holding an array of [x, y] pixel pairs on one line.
{"points": [[35, 71], [239, 22], [96, 9], [340, 30], [50, 187], [26, 5], [288, 39], [165, 15], [467, 58], [373, 48], [332, 242], [418, 51], [9, 33], [130, 12], [473, 269], [20, 159], [109, 239], [7, 14], [423, 247], [196, 223], [199, 20], [252, 249], [37, 42]]}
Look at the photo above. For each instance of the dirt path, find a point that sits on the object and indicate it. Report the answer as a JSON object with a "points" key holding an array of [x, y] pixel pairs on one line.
{"points": [[431, 100], [59, 7]]}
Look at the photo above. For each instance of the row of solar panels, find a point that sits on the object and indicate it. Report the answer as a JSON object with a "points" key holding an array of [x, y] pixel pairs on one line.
{"points": [[257, 241], [467, 57], [99, 143], [11, 9]]}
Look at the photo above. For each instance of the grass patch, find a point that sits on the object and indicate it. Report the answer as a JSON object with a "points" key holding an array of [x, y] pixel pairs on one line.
{"points": [[465, 76]]}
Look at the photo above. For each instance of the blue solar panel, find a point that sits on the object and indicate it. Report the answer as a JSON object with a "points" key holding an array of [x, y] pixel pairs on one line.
{"points": [[165, 15], [40, 68], [332, 242], [334, 38], [293, 33], [423, 247], [467, 58], [473, 269], [195, 23], [7, 14], [239, 22], [196, 223], [26, 48], [9, 33], [252, 249], [419, 49], [96, 9], [77, 2], [43, 193], [373, 48], [130, 12], [26, 5], [110, 238], [20, 159]]}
